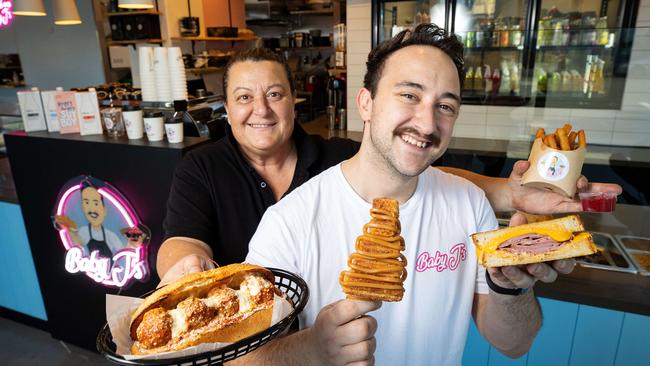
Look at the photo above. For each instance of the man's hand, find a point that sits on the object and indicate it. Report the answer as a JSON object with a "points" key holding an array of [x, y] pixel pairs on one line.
{"points": [[342, 334], [543, 201], [189, 264], [525, 276]]}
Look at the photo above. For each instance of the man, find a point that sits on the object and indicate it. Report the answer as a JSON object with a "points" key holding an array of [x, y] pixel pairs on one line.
{"points": [[221, 190], [410, 101]]}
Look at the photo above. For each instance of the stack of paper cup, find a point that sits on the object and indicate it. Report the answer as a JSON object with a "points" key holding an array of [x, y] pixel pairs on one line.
{"points": [[177, 73], [147, 76], [161, 73]]}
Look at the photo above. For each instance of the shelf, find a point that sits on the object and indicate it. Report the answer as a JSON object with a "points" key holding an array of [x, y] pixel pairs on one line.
{"points": [[336, 71], [204, 70], [139, 12], [133, 41], [511, 49], [214, 38], [576, 47], [312, 12], [316, 48]]}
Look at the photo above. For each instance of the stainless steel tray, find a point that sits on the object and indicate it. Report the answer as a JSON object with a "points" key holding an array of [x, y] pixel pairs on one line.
{"points": [[636, 248], [610, 257]]}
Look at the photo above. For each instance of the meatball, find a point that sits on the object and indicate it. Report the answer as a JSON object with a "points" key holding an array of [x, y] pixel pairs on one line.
{"points": [[258, 289], [155, 330], [196, 312], [226, 300]]}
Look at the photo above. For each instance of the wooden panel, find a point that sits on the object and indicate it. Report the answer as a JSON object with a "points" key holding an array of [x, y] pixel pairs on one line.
{"points": [[596, 336], [553, 343], [18, 266], [633, 343], [476, 348]]}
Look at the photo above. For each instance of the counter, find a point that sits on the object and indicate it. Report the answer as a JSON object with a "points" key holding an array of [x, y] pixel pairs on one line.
{"points": [[606, 289], [131, 181]]}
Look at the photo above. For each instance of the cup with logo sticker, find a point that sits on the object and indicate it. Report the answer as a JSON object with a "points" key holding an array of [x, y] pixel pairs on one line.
{"points": [[133, 121], [154, 125]]}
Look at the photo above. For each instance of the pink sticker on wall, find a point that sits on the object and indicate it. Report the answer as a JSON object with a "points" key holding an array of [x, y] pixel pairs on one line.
{"points": [[101, 233]]}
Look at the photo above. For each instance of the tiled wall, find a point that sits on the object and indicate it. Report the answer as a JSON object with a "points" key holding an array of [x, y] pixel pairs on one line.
{"points": [[628, 126]]}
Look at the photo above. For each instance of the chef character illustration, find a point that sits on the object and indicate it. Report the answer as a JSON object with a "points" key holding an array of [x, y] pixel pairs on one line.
{"points": [[94, 236], [552, 167]]}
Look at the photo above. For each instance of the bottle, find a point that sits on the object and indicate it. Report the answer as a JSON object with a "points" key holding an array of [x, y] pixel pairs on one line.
{"points": [[557, 34], [488, 80], [394, 28], [599, 83], [174, 124], [542, 81], [515, 80], [566, 82], [516, 36], [603, 32], [469, 79], [504, 88], [496, 81], [555, 83], [587, 74], [479, 85]]}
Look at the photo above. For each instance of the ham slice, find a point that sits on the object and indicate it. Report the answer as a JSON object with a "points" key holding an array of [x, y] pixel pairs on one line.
{"points": [[529, 244]]}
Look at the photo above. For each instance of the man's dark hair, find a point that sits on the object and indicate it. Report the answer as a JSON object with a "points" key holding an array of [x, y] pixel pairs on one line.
{"points": [[88, 184], [424, 35], [257, 55]]}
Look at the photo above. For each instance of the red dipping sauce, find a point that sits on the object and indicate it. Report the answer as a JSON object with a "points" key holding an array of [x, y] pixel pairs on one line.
{"points": [[598, 202]]}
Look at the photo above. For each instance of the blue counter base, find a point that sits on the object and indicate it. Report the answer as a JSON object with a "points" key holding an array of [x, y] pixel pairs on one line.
{"points": [[573, 335]]}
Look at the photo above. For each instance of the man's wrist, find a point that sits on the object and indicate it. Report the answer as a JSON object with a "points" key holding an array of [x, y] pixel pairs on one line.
{"points": [[503, 290]]}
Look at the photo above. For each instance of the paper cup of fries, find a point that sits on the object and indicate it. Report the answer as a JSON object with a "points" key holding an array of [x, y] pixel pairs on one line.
{"points": [[556, 160]]}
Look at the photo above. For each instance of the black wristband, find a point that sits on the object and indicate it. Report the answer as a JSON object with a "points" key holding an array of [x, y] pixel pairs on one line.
{"points": [[502, 290]]}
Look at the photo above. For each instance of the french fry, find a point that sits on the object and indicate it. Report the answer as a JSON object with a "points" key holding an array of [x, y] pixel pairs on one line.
{"points": [[582, 139], [567, 127], [550, 141], [572, 139], [563, 139], [540, 133]]}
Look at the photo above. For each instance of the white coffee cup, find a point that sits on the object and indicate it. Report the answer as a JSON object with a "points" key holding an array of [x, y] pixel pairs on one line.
{"points": [[154, 126], [174, 132], [132, 116]]}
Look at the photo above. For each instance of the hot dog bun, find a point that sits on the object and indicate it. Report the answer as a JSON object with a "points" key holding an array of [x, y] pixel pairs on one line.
{"points": [[559, 239], [225, 304]]}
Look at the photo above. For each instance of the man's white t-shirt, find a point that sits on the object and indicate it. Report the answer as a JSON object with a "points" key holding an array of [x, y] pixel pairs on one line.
{"points": [[313, 230], [112, 240]]}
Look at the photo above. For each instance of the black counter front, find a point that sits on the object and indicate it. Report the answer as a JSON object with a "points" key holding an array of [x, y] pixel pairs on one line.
{"points": [[42, 164]]}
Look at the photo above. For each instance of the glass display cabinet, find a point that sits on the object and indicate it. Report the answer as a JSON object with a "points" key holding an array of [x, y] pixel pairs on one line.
{"points": [[569, 54]]}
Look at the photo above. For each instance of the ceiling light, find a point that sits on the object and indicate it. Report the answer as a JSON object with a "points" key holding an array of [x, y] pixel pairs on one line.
{"points": [[135, 4], [33, 8], [66, 13]]}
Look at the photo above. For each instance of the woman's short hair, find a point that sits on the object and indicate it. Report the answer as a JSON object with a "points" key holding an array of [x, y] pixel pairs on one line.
{"points": [[257, 55]]}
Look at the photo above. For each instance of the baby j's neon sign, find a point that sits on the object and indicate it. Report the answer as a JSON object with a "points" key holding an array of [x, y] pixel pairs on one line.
{"points": [[101, 233], [6, 14]]}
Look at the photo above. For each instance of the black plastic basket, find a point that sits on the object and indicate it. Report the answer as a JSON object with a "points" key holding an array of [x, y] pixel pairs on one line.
{"points": [[292, 285]]}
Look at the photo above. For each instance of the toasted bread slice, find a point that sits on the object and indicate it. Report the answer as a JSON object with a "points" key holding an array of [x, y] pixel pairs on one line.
{"points": [[568, 230]]}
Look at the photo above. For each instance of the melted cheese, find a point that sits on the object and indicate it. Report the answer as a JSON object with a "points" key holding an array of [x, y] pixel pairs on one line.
{"points": [[179, 324]]}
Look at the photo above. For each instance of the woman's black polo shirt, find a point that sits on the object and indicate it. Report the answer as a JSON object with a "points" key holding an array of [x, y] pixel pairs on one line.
{"points": [[218, 198]]}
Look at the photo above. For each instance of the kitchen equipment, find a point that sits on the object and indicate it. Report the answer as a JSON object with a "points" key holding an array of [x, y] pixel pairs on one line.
{"points": [[229, 32], [638, 250], [609, 257], [189, 26]]}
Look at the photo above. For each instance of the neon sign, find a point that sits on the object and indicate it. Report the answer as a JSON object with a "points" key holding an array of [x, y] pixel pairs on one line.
{"points": [[88, 215], [6, 15]]}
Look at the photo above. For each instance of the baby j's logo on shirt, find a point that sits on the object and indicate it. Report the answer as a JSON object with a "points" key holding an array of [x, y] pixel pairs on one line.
{"points": [[441, 261]]}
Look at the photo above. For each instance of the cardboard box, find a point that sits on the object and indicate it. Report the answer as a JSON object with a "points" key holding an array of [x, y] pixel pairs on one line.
{"points": [[557, 170]]}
